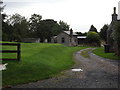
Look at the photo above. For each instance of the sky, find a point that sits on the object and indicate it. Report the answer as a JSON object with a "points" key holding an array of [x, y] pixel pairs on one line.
{"points": [[79, 14]]}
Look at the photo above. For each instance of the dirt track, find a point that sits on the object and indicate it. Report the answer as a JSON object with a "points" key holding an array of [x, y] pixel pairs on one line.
{"points": [[97, 73]]}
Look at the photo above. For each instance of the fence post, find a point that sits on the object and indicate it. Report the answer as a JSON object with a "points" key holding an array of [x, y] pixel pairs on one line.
{"points": [[18, 53]]}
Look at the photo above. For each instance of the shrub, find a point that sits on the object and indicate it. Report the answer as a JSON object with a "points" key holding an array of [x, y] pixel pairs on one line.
{"points": [[93, 39]]}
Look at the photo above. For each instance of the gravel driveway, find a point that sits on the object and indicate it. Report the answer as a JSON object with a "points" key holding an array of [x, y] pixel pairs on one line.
{"points": [[97, 73]]}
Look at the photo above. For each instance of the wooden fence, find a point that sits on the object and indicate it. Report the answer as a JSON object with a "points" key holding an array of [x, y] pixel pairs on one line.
{"points": [[11, 51]]}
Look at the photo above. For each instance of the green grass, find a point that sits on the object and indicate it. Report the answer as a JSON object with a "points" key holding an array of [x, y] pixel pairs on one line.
{"points": [[100, 52], [85, 53], [38, 61]]}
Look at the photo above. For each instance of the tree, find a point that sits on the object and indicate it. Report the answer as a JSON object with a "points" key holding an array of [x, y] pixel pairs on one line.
{"points": [[7, 29], [103, 32], [116, 37], [48, 28], [93, 29], [34, 24], [19, 25], [1, 7], [93, 39], [64, 26], [82, 34]]}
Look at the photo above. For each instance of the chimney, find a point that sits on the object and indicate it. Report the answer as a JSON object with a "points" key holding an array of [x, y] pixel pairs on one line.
{"points": [[114, 15], [71, 32]]}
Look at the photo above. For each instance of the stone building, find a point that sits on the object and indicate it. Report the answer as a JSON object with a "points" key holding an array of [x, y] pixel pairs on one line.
{"points": [[111, 28], [67, 38]]}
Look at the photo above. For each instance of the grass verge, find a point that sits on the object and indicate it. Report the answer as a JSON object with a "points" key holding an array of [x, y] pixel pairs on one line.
{"points": [[85, 53], [100, 52], [38, 61]]}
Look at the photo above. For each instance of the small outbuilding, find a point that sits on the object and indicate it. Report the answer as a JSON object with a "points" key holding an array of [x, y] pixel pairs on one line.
{"points": [[31, 40], [68, 38], [81, 40]]}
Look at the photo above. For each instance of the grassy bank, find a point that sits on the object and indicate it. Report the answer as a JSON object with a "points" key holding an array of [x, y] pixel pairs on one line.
{"points": [[100, 52], [38, 61]]}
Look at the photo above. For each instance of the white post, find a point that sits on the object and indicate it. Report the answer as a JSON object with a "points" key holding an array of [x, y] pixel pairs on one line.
{"points": [[1, 20], [119, 10]]}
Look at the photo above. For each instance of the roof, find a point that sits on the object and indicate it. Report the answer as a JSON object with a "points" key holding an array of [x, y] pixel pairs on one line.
{"points": [[68, 32], [81, 36], [54, 37]]}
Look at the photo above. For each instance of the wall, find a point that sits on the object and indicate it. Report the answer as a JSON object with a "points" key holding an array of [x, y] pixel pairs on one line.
{"points": [[31, 40], [67, 39]]}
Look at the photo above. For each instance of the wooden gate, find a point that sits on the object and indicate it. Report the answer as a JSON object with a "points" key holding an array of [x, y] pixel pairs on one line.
{"points": [[11, 51]]}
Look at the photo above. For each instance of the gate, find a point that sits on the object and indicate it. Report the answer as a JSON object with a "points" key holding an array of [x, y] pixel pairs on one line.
{"points": [[11, 51]]}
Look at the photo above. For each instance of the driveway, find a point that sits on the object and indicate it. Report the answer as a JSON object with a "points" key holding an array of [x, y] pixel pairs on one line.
{"points": [[97, 73]]}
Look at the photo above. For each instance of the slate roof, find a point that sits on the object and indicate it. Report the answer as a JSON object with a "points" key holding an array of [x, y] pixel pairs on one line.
{"points": [[81, 36], [68, 32]]}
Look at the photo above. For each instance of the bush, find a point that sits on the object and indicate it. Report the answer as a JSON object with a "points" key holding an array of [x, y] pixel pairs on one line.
{"points": [[93, 39]]}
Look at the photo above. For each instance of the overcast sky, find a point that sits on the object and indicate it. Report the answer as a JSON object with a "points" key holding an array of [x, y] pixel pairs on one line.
{"points": [[79, 14]]}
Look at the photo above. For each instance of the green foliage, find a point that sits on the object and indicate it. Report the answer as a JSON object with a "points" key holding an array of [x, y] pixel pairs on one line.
{"points": [[7, 30], [35, 27], [82, 34], [64, 26], [48, 28], [93, 29], [100, 52], [34, 24], [93, 39], [15, 28], [38, 61], [103, 32]]}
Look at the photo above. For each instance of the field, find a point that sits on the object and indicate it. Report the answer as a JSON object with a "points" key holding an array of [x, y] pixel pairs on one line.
{"points": [[38, 61]]}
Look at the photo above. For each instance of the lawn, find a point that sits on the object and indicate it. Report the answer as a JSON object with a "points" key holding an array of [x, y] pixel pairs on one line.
{"points": [[100, 52], [38, 61]]}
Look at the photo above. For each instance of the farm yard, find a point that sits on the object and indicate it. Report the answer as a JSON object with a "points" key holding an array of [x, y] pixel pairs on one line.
{"points": [[39, 51], [40, 61]]}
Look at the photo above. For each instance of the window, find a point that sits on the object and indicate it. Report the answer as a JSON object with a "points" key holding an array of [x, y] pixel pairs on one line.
{"points": [[63, 40]]}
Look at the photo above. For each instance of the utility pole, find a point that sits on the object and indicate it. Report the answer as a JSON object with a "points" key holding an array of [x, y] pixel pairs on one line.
{"points": [[119, 10], [1, 10]]}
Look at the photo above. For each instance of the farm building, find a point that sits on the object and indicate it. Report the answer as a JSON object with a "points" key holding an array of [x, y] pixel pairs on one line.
{"points": [[82, 39], [68, 38], [31, 40]]}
